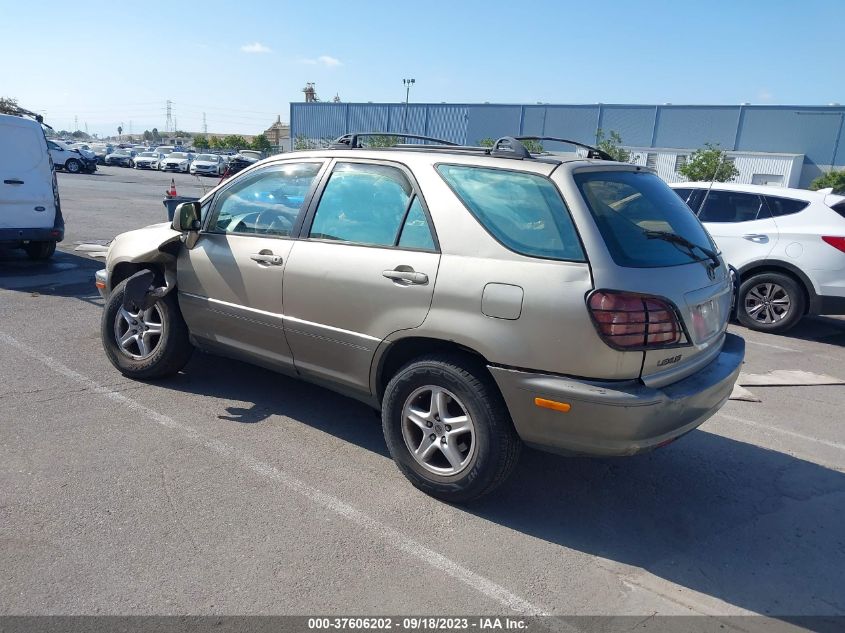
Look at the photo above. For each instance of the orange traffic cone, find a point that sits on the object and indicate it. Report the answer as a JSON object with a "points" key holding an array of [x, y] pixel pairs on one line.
{"points": [[172, 191]]}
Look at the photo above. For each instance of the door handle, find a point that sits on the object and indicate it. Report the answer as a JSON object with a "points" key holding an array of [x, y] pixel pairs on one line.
{"points": [[758, 238], [13, 181], [407, 276], [267, 258]]}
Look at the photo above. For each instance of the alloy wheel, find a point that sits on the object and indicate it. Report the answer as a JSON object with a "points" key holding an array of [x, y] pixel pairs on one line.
{"points": [[767, 303], [438, 430], [138, 334]]}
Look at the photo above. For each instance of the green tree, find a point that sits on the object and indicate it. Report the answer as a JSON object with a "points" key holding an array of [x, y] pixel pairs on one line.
{"points": [[156, 136], [382, 140], [833, 179], [8, 105], [612, 144], [234, 141], [119, 131], [201, 141], [709, 163], [148, 136], [261, 143]]}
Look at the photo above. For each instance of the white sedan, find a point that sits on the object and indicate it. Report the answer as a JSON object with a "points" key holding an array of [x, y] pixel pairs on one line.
{"points": [[208, 165], [177, 161]]}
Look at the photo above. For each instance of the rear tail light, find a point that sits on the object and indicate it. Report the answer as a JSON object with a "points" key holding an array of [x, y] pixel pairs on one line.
{"points": [[835, 242], [630, 321]]}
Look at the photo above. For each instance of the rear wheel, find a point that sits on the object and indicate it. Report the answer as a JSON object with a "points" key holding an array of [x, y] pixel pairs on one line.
{"points": [[73, 166], [40, 250], [448, 429], [770, 302], [145, 344]]}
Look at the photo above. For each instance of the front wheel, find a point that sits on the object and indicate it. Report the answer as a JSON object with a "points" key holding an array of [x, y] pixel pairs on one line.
{"points": [[770, 302], [73, 166], [145, 344], [448, 429]]}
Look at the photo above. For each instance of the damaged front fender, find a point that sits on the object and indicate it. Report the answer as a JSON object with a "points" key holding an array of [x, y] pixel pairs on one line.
{"points": [[153, 247]]}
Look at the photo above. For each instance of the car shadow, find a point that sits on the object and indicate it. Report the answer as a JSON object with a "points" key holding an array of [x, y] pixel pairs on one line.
{"points": [[267, 393], [65, 274], [820, 329], [755, 528]]}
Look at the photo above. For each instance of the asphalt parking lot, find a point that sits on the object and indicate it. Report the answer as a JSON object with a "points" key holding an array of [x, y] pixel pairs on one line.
{"points": [[233, 490]]}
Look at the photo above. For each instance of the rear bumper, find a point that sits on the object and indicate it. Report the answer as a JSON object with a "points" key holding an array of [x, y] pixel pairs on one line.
{"points": [[617, 418], [831, 305], [16, 236]]}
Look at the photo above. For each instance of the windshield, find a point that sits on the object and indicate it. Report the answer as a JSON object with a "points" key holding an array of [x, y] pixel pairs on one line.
{"points": [[208, 157], [121, 152], [178, 155], [147, 154], [630, 207]]}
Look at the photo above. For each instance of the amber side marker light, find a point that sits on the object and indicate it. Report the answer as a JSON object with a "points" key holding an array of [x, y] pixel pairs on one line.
{"points": [[554, 405], [100, 284]]}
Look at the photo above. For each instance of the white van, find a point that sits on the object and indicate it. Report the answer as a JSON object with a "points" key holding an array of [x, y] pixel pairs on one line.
{"points": [[30, 210]]}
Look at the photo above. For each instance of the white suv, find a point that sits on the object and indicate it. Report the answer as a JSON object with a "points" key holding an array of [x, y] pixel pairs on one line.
{"points": [[787, 244]]}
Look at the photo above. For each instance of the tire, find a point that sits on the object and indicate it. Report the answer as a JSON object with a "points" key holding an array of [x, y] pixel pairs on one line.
{"points": [[73, 166], [486, 455], [770, 302], [167, 355], [40, 250]]}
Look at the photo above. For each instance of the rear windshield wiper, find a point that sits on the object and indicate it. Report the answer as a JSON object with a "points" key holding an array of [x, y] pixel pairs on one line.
{"points": [[674, 238]]}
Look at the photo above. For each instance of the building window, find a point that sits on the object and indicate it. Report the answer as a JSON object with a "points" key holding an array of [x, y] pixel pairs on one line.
{"points": [[680, 161], [651, 160]]}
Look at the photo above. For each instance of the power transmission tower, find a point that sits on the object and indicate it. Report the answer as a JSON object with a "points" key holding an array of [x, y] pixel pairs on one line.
{"points": [[86, 128], [204, 125], [130, 128], [169, 124], [75, 123]]}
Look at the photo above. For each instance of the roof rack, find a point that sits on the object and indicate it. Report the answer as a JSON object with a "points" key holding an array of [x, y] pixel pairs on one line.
{"points": [[504, 147], [24, 113], [350, 141], [592, 152]]}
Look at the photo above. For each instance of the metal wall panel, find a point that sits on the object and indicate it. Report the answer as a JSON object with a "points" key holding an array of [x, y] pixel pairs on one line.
{"points": [[317, 120], [693, 126], [812, 131], [578, 123], [635, 124], [366, 117], [492, 122], [448, 122], [808, 131]]}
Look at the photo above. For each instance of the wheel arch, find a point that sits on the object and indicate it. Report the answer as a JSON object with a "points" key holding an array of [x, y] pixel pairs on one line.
{"points": [[393, 355], [811, 299]]}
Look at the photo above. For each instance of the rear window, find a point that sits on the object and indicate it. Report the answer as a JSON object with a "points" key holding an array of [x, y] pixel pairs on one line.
{"points": [[839, 208], [627, 205], [785, 206], [524, 212]]}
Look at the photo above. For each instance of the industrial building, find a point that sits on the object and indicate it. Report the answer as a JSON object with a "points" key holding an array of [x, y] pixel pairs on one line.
{"points": [[775, 145]]}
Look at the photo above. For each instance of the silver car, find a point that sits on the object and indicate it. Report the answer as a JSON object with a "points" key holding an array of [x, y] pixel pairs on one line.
{"points": [[480, 298]]}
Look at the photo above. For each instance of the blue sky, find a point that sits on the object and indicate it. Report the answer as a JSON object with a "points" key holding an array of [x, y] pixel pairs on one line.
{"points": [[243, 62]]}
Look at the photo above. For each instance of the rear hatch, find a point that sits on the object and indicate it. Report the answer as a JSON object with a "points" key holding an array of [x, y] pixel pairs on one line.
{"points": [[26, 189], [660, 287]]}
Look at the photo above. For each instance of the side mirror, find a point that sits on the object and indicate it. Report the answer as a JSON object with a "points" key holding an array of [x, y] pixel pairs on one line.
{"points": [[186, 217]]}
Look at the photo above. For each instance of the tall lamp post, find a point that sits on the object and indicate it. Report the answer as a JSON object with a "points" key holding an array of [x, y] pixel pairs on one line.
{"points": [[407, 83]]}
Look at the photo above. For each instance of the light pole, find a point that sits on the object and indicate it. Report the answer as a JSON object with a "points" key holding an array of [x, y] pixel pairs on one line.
{"points": [[407, 83]]}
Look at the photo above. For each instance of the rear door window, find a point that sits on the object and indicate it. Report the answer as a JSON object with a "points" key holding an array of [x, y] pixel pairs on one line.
{"points": [[522, 211], [731, 206], [630, 208]]}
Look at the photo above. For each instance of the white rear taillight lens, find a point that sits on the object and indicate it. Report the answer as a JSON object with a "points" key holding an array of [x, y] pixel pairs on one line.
{"points": [[630, 321]]}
